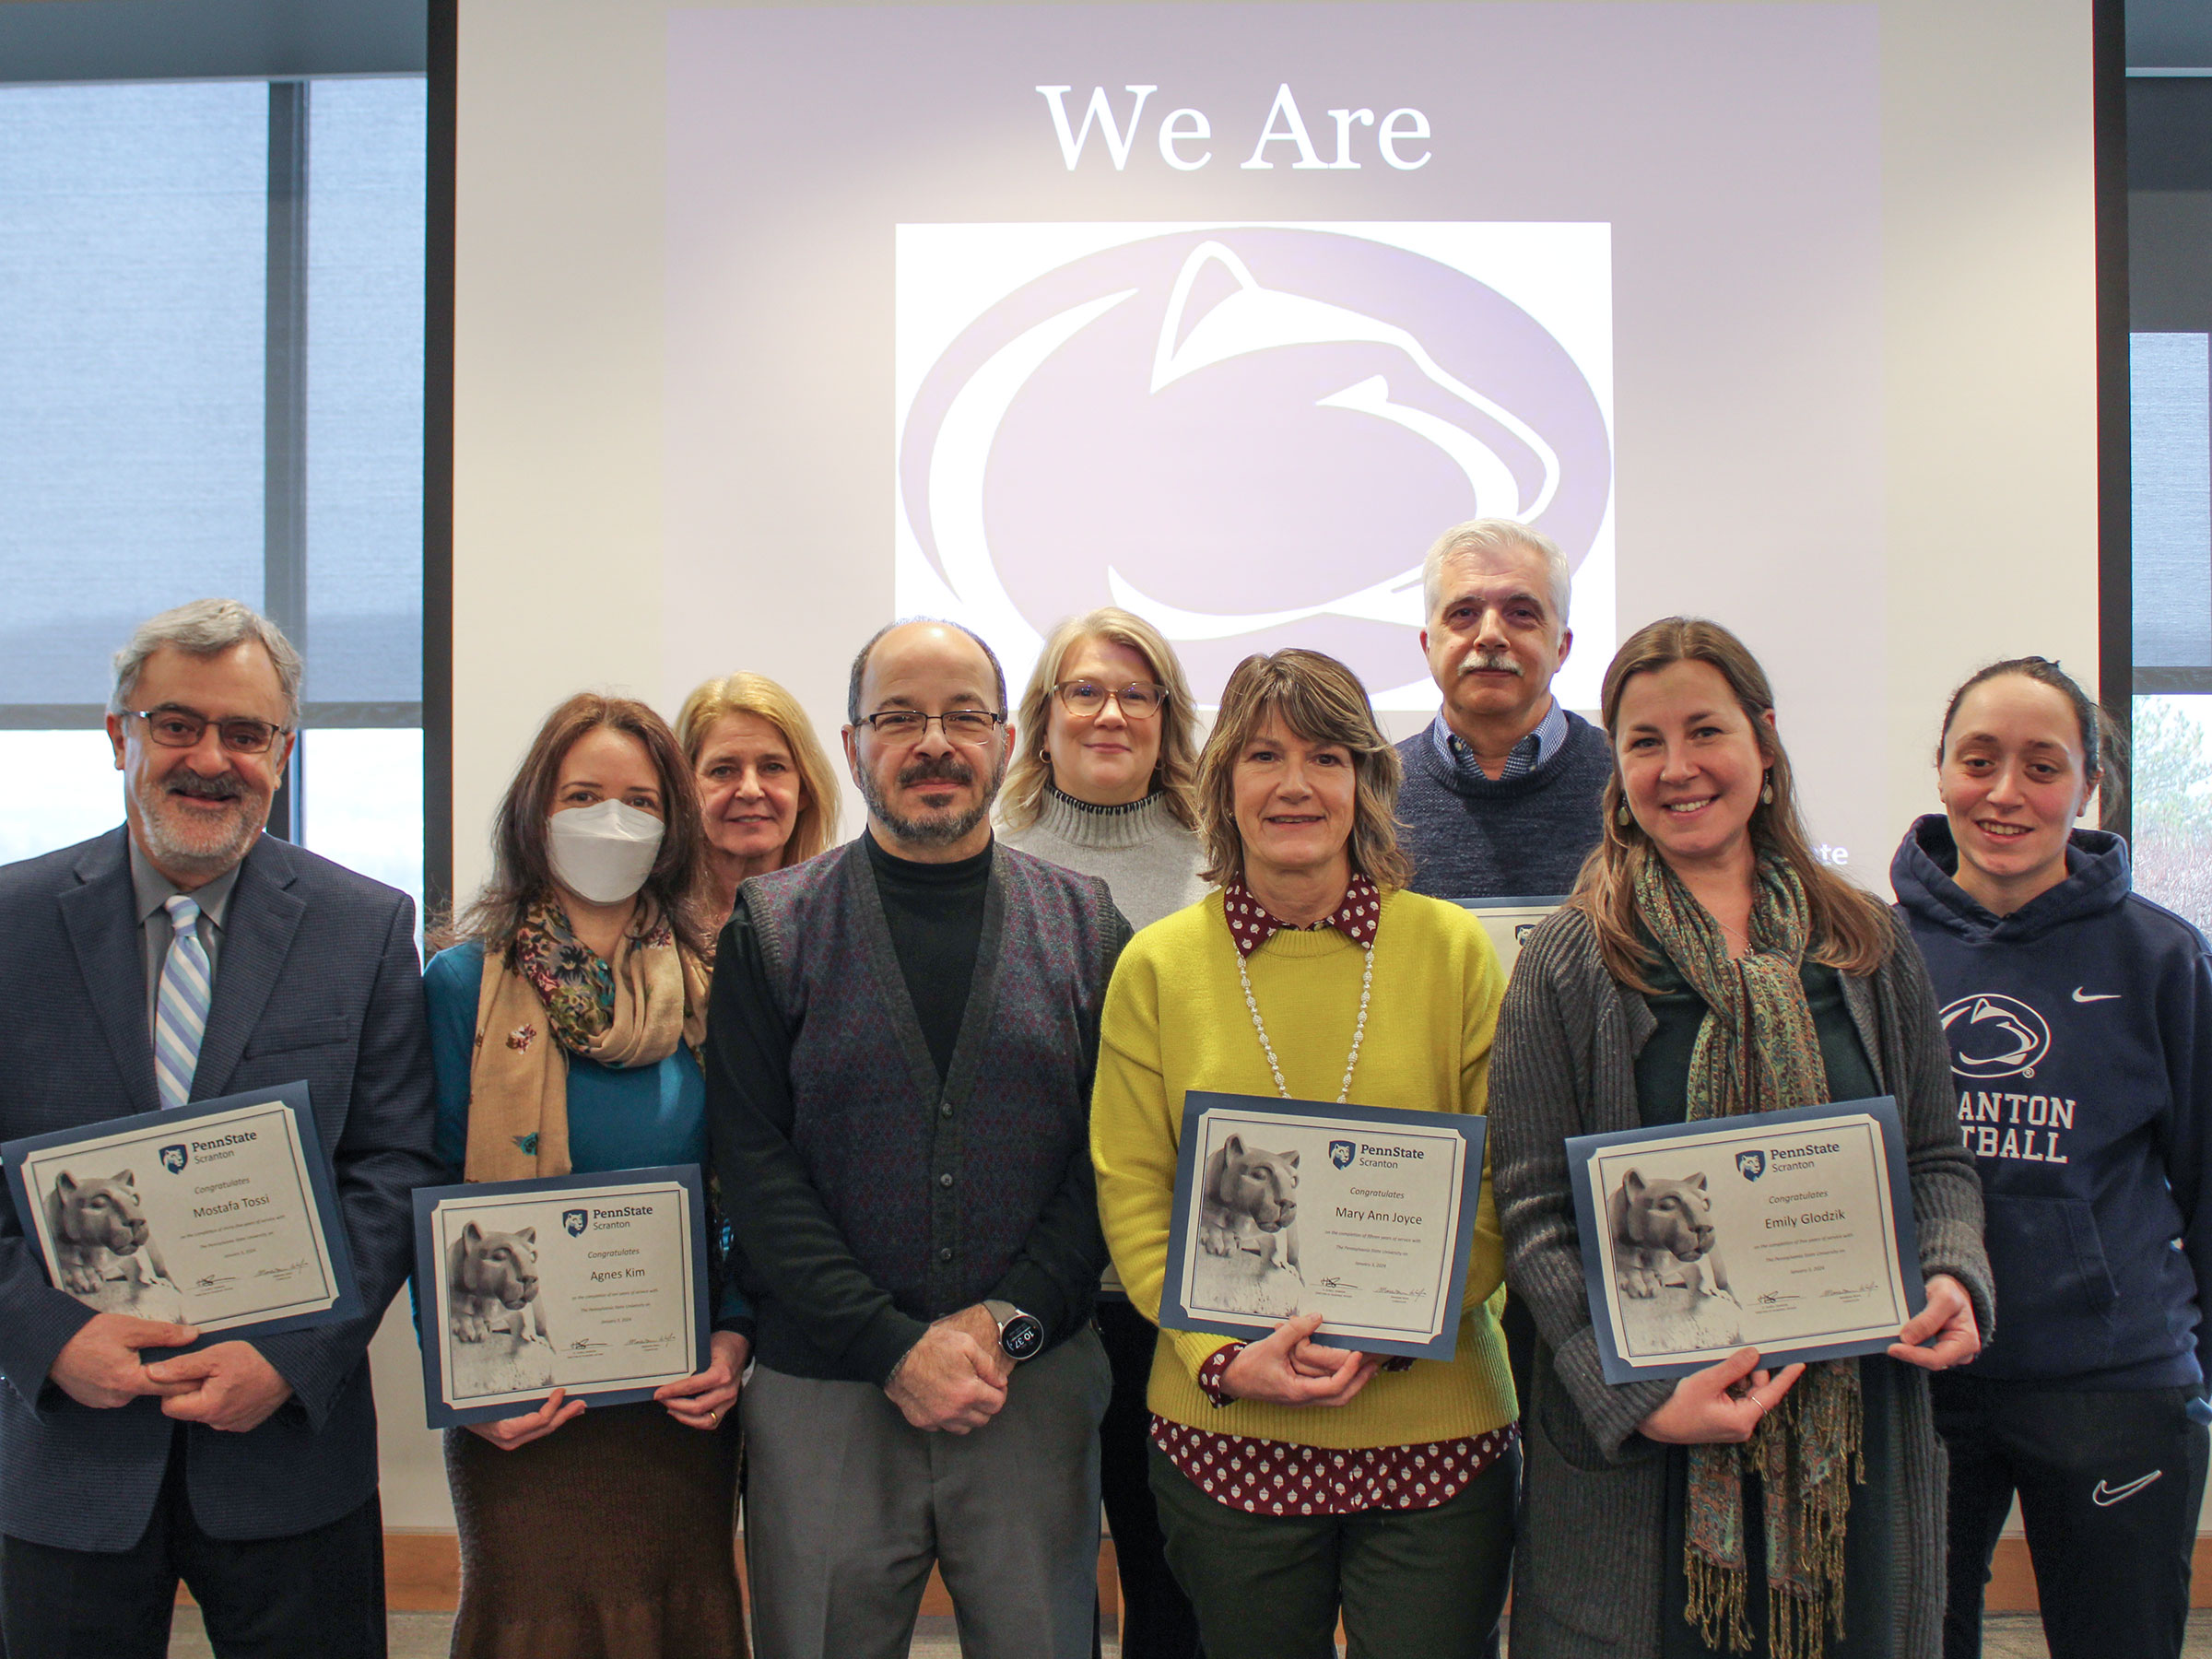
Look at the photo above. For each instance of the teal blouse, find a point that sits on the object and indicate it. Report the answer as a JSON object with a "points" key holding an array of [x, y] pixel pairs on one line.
{"points": [[619, 1119]]}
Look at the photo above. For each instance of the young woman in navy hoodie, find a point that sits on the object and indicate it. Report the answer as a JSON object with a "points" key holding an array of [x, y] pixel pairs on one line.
{"points": [[2080, 1016]]}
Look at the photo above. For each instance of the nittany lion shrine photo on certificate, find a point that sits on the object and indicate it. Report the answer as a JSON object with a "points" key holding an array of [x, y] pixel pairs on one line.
{"points": [[596, 1284], [219, 1215], [1363, 1213], [1787, 1231]]}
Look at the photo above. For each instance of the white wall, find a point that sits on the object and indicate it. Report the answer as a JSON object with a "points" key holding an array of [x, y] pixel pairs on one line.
{"points": [[413, 1457]]}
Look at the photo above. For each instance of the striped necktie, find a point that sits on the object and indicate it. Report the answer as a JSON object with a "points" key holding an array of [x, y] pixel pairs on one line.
{"points": [[181, 1009]]}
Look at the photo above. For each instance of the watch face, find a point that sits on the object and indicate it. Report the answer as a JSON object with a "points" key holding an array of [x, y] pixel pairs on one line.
{"points": [[1021, 1336]]}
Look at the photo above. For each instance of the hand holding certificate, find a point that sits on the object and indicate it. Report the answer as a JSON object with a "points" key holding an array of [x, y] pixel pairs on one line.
{"points": [[1361, 1215], [219, 1215], [1791, 1232], [594, 1284]]}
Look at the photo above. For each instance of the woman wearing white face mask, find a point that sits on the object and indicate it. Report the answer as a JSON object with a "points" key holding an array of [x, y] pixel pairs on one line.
{"points": [[565, 1027]]}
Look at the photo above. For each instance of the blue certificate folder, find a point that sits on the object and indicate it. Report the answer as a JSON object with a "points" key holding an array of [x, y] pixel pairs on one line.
{"points": [[571, 1213], [161, 1155], [1806, 1219], [1417, 1317]]}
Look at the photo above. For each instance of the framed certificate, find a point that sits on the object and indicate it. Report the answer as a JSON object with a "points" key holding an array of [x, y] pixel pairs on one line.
{"points": [[596, 1284], [1787, 1231], [1286, 1206], [1509, 922], [219, 1215]]}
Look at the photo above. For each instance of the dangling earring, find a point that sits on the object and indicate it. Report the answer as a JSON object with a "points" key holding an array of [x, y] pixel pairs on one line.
{"points": [[1766, 791], [1622, 815]]}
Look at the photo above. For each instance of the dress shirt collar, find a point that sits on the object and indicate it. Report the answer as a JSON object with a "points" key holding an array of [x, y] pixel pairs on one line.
{"points": [[151, 889], [1252, 927], [1538, 749]]}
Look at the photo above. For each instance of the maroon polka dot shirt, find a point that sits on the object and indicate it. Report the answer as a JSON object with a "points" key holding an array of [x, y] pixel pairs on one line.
{"points": [[1279, 1477]]}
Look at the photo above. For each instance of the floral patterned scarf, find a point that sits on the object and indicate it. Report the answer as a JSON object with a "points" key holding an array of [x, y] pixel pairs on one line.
{"points": [[1756, 1051], [550, 995]]}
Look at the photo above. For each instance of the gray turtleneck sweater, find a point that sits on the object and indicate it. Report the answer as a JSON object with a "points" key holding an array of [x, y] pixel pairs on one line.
{"points": [[1146, 858], [1149, 860]]}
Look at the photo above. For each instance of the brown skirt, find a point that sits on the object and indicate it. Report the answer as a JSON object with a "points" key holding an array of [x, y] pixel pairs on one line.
{"points": [[610, 1538]]}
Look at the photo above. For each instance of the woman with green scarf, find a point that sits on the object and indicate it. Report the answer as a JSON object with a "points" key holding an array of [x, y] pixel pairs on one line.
{"points": [[1709, 965]]}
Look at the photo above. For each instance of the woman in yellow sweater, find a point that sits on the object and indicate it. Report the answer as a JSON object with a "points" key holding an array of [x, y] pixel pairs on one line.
{"points": [[1297, 1481]]}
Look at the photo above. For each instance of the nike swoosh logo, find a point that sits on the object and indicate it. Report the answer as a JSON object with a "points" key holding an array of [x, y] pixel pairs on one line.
{"points": [[2081, 994], [2104, 1497]]}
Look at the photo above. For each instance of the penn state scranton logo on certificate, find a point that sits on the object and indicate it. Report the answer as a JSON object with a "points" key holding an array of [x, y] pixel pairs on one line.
{"points": [[592, 1283], [1362, 1213], [1787, 1231], [220, 1214]]}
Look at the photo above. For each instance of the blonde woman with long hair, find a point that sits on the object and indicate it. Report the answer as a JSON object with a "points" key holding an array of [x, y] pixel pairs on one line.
{"points": [[765, 787], [1103, 785]]}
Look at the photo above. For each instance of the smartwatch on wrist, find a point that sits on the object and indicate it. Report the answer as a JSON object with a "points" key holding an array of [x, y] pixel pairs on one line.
{"points": [[1020, 1335]]}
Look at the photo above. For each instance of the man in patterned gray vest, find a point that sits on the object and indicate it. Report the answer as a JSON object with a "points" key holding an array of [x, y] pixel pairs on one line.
{"points": [[899, 1071]]}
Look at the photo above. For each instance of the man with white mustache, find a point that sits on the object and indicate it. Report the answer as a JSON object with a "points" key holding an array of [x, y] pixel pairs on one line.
{"points": [[181, 957], [1501, 790]]}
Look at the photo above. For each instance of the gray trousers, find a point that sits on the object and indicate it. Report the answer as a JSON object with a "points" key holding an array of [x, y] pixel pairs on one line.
{"points": [[847, 1507]]}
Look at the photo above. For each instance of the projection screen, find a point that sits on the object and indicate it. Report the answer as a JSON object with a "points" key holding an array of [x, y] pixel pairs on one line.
{"points": [[776, 322]]}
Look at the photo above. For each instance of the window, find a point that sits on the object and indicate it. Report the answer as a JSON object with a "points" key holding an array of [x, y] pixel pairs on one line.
{"points": [[2170, 358], [367, 156], [212, 337], [2170, 393]]}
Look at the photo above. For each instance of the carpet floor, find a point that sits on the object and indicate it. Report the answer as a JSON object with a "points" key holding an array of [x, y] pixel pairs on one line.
{"points": [[425, 1636]]}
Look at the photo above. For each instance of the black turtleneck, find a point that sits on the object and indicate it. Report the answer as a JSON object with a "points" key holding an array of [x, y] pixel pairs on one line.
{"points": [[835, 1321], [935, 913]]}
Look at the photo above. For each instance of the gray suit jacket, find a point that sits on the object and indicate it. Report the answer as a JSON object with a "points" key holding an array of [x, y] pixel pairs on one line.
{"points": [[319, 980], [1587, 1575]]}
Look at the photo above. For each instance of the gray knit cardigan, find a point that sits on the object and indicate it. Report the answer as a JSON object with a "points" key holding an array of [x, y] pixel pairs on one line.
{"points": [[1587, 1576]]}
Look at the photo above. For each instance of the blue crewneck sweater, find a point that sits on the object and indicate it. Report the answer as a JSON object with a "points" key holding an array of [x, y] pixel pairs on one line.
{"points": [[2080, 1028], [1502, 838]]}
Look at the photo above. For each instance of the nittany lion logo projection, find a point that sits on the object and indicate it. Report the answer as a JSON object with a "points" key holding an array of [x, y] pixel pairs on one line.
{"points": [[1247, 435]]}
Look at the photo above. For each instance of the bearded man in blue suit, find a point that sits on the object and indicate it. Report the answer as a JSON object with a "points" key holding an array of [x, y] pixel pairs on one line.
{"points": [[248, 1467]]}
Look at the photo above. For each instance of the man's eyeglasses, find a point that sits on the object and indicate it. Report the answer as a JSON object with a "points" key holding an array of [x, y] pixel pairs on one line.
{"points": [[1139, 701], [180, 728], [906, 726]]}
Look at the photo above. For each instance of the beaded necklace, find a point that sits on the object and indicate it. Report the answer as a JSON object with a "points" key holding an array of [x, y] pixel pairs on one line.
{"points": [[1251, 926], [1367, 980]]}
